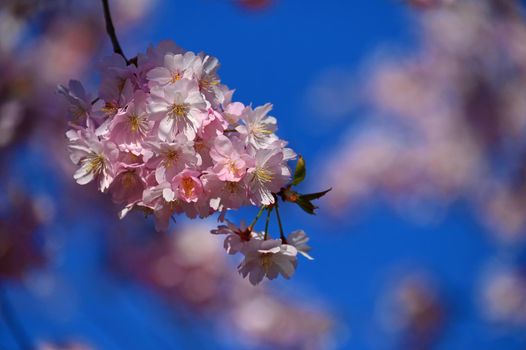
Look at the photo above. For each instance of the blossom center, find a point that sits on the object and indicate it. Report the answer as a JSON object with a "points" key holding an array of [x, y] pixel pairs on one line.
{"points": [[135, 122], [205, 84], [179, 110], [263, 175], [231, 186], [188, 186], [176, 76], [171, 157], [96, 163], [266, 261], [129, 180], [260, 128], [232, 166], [110, 108], [78, 113]]}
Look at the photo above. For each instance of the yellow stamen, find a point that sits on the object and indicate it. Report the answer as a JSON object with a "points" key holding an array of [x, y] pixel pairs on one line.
{"points": [[110, 108], [78, 113], [206, 83], [232, 166], [266, 261], [263, 175], [261, 129], [176, 76], [179, 110], [171, 157], [96, 163], [135, 122]]}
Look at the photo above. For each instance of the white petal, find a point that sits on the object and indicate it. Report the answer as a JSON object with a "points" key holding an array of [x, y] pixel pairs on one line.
{"points": [[165, 128]]}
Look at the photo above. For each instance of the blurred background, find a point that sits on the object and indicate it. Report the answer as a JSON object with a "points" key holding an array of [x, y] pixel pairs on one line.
{"points": [[413, 111]]}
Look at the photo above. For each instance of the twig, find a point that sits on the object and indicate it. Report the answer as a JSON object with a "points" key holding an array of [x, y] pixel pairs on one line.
{"points": [[269, 210], [8, 313], [281, 234], [111, 31], [256, 218]]}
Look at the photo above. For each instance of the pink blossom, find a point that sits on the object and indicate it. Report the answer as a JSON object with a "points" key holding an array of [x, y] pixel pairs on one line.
{"points": [[179, 108], [233, 112], [258, 128], [95, 157], [117, 86], [80, 106], [128, 187], [237, 238], [224, 194], [230, 159], [299, 240], [268, 258], [187, 185], [213, 124], [208, 80], [173, 156], [267, 176], [130, 126], [175, 68]]}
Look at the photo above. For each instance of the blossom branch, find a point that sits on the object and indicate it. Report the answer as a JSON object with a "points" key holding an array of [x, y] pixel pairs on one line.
{"points": [[204, 157], [110, 29], [7, 311]]}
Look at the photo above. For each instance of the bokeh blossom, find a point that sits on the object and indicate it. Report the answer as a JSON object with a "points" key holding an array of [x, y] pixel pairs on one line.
{"points": [[447, 122]]}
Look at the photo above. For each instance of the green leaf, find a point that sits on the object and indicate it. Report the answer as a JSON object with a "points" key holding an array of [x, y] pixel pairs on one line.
{"points": [[316, 195], [306, 205], [300, 172]]}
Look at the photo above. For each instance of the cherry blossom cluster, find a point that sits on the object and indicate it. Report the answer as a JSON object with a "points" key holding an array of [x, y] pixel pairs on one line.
{"points": [[164, 136], [264, 257]]}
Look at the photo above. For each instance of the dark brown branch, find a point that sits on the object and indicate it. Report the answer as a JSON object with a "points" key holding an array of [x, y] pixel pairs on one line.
{"points": [[111, 31]]}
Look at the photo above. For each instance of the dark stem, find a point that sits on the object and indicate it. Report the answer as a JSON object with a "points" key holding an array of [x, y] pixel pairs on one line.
{"points": [[281, 234], [269, 210], [111, 31], [251, 227], [8, 314]]}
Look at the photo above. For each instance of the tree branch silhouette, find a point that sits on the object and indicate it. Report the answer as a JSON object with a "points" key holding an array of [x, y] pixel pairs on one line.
{"points": [[110, 29]]}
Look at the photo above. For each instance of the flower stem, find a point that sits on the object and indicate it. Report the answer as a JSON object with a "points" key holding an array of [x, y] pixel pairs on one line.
{"points": [[269, 210], [256, 218], [110, 29], [8, 313], [281, 234]]}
